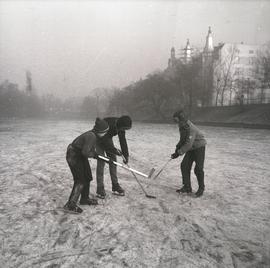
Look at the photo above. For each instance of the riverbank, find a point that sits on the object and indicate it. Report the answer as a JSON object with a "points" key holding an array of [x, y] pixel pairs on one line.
{"points": [[245, 116]]}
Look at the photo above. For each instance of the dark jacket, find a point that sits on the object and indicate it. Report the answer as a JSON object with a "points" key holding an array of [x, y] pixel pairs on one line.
{"points": [[78, 153], [191, 138], [113, 131], [85, 144]]}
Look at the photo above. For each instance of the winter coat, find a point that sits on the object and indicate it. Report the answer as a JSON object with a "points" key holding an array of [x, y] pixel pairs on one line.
{"points": [[105, 141], [85, 144], [191, 138], [78, 153]]}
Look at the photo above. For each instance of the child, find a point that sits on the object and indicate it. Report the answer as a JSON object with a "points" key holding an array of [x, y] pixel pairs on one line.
{"points": [[192, 144], [117, 127], [78, 152]]}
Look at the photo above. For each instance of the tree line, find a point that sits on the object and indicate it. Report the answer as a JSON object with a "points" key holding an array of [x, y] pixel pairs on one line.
{"points": [[191, 85], [153, 98], [160, 93], [17, 103]]}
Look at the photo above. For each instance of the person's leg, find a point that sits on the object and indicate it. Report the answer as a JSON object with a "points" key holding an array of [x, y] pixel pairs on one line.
{"points": [[199, 156], [186, 165], [75, 193], [85, 199], [116, 188], [113, 168], [76, 165], [87, 178], [100, 173]]}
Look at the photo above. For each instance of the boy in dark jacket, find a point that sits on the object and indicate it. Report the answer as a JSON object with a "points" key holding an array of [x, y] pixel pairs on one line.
{"points": [[117, 126], [192, 144], [78, 152]]}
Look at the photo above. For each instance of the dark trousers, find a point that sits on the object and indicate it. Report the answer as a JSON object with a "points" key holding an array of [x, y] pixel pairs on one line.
{"points": [[197, 156], [82, 174], [101, 164]]}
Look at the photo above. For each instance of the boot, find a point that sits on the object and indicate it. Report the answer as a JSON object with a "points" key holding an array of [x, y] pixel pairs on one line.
{"points": [[118, 190], [89, 201], [184, 189], [199, 192], [71, 206]]}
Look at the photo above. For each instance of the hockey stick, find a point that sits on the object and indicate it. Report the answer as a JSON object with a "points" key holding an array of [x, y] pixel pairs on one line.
{"points": [[146, 194], [162, 168], [108, 160]]}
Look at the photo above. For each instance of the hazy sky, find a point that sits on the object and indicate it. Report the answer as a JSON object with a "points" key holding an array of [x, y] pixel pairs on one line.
{"points": [[71, 47]]}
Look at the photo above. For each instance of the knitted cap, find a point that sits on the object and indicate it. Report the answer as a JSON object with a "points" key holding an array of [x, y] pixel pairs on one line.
{"points": [[180, 115], [124, 122], [101, 126]]}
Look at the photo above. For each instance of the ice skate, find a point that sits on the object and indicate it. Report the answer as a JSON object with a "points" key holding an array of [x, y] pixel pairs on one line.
{"points": [[199, 192], [89, 202], [118, 190], [72, 208], [101, 194], [183, 190]]}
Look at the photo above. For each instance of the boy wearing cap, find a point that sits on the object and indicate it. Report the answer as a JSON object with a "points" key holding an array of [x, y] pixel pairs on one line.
{"points": [[192, 145], [117, 126], [78, 152]]}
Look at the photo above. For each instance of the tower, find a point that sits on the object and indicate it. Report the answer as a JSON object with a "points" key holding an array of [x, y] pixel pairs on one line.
{"points": [[208, 49], [209, 42], [187, 53], [172, 59], [207, 68], [172, 53]]}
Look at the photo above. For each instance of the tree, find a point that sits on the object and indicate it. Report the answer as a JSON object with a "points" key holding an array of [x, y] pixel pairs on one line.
{"points": [[29, 86], [89, 107], [16, 103], [156, 93], [187, 78], [263, 69], [224, 73]]}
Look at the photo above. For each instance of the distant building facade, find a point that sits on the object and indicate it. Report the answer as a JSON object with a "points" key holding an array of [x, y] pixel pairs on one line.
{"points": [[185, 58], [236, 77]]}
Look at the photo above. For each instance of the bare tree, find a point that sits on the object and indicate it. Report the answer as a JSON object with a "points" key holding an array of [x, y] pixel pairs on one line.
{"points": [[224, 72], [263, 70], [29, 86]]}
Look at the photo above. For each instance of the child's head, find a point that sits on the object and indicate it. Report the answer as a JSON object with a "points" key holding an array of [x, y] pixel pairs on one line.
{"points": [[124, 123], [180, 117], [101, 127]]}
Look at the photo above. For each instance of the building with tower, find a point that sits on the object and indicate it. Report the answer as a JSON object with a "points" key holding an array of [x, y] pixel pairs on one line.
{"points": [[187, 53], [229, 72], [185, 57]]}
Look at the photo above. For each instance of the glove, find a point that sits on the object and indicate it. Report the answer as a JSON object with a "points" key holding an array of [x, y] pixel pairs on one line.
{"points": [[179, 152], [118, 152], [125, 160], [174, 155], [95, 155]]}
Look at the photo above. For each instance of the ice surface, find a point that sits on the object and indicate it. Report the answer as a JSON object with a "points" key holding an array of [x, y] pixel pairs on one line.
{"points": [[227, 227]]}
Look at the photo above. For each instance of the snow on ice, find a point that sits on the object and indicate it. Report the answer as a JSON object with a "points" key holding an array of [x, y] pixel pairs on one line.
{"points": [[227, 227]]}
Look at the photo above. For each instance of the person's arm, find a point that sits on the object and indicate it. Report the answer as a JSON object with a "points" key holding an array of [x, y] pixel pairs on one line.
{"points": [[184, 134], [123, 143], [188, 142], [108, 146], [178, 145]]}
